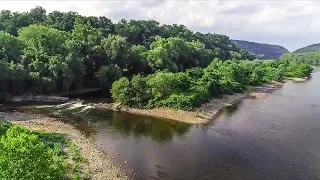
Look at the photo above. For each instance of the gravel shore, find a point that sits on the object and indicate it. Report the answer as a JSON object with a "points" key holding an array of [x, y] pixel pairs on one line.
{"points": [[200, 115], [263, 91], [303, 79], [101, 165]]}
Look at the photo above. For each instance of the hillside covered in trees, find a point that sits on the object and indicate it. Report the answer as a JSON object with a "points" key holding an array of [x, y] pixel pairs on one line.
{"points": [[308, 58], [262, 51], [310, 48], [157, 65]]}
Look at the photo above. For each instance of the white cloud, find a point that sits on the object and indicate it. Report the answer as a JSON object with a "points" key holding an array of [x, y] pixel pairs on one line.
{"points": [[289, 23]]}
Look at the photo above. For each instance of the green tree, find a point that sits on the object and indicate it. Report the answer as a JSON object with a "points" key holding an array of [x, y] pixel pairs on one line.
{"points": [[116, 49], [137, 60], [17, 77], [108, 74], [44, 51], [10, 48], [121, 91]]}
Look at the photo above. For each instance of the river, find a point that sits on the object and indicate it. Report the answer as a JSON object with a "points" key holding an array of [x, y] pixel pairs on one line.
{"points": [[274, 138]]}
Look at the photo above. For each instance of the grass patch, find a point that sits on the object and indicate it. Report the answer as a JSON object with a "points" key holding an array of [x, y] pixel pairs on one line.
{"points": [[79, 169], [198, 114]]}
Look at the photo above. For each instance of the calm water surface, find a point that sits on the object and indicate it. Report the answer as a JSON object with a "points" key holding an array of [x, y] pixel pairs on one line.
{"points": [[274, 138]]}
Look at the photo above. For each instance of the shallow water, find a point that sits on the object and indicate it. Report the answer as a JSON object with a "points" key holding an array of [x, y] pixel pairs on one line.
{"points": [[274, 138]]}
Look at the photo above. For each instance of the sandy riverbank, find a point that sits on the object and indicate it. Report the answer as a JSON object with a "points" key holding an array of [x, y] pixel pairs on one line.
{"points": [[263, 91], [200, 115], [303, 79], [100, 164]]}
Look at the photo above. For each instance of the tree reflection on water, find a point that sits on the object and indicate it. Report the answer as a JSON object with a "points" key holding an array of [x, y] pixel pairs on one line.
{"points": [[127, 124], [134, 125]]}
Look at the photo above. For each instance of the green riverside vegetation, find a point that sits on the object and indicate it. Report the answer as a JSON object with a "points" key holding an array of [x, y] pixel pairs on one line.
{"points": [[189, 89], [26, 154]]}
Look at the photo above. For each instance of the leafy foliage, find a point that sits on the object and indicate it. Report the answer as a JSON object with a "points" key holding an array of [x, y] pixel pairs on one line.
{"points": [[61, 52], [309, 58], [24, 156], [29, 154], [186, 90], [10, 48]]}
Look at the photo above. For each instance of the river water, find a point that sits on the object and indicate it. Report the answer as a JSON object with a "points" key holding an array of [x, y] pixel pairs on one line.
{"points": [[274, 138]]}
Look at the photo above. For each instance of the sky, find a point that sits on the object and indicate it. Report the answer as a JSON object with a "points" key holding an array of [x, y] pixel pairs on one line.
{"points": [[289, 23]]}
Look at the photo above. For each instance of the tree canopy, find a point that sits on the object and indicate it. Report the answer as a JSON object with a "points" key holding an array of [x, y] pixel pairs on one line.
{"points": [[63, 51], [44, 52]]}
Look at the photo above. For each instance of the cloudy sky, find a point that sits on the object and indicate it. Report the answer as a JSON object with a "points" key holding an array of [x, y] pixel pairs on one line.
{"points": [[292, 24]]}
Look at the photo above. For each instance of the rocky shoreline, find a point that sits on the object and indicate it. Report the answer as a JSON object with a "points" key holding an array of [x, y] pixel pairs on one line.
{"points": [[203, 114], [263, 91]]}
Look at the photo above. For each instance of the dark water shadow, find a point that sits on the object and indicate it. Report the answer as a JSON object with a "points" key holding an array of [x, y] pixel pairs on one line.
{"points": [[229, 111]]}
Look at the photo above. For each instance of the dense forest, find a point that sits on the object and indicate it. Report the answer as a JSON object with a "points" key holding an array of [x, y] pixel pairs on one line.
{"points": [[44, 52], [309, 58], [262, 51], [61, 52], [310, 48]]}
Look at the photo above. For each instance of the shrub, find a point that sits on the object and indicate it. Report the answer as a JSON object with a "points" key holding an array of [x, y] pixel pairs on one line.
{"points": [[140, 91], [107, 75], [161, 85], [201, 94], [4, 126], [179, 101], [121, 91], [24, 156]]}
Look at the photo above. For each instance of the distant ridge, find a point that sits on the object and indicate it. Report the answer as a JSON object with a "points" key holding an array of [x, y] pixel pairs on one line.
{"points": [[262, 50], [310, 48]]}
